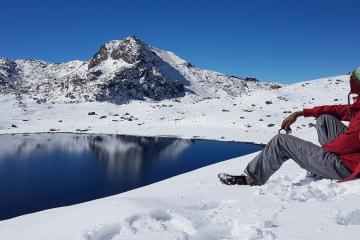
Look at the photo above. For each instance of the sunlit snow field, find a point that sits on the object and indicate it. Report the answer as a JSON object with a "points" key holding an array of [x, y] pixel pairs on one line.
{"points": [[195, 205]]}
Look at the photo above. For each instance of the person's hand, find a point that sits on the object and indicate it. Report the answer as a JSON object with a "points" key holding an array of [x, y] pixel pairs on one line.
{"points": [[290, 120]]}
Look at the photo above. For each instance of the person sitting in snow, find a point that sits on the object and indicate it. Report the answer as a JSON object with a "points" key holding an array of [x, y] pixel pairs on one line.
{"points": [[337, 158]]}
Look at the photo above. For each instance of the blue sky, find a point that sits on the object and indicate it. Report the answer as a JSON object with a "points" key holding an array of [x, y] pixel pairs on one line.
{"points": [[285, 41]]}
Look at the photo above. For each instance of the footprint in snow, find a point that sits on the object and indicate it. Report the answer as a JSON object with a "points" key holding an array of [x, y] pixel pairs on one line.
{"points": [[351, 218], [169, 225], [249, 231], [102, 232], [157, 224], [302, 188], [204, 206]]}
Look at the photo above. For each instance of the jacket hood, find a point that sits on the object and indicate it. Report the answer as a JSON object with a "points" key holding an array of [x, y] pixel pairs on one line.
{"points": [[354, 85]]}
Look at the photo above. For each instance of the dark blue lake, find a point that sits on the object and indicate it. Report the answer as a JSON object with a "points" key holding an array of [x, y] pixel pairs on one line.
{"points": [[42, 171]]}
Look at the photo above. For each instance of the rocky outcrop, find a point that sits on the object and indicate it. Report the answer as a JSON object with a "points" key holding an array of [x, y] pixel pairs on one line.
{"points": [[9, 75]]}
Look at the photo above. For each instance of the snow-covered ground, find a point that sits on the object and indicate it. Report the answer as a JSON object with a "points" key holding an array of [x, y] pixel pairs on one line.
{"points": [[195, 205]]}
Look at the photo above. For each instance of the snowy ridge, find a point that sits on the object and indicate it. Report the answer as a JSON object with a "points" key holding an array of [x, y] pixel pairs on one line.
{"points": [[122, 70]]}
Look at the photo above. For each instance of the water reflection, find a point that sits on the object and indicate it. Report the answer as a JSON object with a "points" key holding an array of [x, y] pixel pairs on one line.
{"points": [[133, 154], [115, 152], [42, 171]]}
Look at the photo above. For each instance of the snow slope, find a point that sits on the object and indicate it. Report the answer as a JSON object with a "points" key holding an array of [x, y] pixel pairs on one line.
{"points": [[195, 205], [251, 117]]}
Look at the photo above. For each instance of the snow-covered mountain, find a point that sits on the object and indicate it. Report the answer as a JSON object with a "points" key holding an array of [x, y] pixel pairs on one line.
{"points": [[120, 71]]}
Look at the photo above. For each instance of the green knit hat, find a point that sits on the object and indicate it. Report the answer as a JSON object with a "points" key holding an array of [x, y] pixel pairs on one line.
{"points": [[357, 73]]}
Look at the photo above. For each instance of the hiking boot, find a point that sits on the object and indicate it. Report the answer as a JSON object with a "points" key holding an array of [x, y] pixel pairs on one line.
{"points": [[228, 179]]}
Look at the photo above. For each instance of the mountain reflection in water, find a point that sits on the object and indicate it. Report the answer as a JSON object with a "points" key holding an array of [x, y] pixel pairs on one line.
{"points": [[117, 153], [134, 154], [42, 171]]}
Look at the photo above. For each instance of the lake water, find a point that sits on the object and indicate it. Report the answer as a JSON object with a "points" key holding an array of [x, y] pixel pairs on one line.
{"points": [[42, 171]]}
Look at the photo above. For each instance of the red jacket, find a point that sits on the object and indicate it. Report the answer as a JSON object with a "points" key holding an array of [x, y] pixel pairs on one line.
{"points": [[347, 145]]}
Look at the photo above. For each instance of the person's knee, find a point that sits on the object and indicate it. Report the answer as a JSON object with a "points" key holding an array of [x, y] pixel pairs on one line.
{"points": [[279, 138], [283, 140], [323, 118]]}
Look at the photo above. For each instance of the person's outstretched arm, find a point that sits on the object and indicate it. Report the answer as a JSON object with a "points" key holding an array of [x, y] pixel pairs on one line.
{"points": [[291, 119], [340, 111]]}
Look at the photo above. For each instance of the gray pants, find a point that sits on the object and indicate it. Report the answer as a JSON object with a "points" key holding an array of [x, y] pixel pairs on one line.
{"points": [[307, 155]]}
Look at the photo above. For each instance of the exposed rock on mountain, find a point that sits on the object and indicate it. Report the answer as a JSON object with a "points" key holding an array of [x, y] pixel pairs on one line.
{"points": [[122, 70], [9, 75]]}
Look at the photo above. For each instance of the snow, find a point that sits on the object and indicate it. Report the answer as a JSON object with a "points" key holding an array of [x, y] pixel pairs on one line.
{"points": [[195, 205], [244, 118]]}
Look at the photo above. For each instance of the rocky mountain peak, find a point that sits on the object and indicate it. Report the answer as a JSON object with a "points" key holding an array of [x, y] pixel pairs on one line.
{"points": [[134, 40], [130, 50]]}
